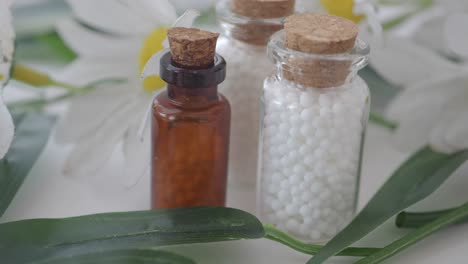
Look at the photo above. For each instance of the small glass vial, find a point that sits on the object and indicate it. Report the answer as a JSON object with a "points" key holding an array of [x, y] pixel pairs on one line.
{"points": [[248, 25], [190, 124], [315, 112]]}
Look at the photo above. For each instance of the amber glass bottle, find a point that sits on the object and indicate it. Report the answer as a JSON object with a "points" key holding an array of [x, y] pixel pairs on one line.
{"points": [[190, 135]]}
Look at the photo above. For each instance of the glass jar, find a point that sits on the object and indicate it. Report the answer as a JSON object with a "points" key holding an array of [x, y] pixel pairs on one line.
{"points": [[190, 137], [244, 47], [311, 142]]}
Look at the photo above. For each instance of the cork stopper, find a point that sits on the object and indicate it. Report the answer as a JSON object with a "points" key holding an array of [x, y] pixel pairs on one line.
{"points": [[263, 8], [192, 47], [319, 34], [255, 33]]}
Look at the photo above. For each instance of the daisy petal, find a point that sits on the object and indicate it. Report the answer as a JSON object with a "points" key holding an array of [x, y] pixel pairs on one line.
{"points": [[413, 131], [457, 42], [90, 43], [7, 34], [153, 65], [137, 155], [7, 129], [110, 16], [402, 62], [451, 133], [89, 154], [187, 19], [435, 92], [160, 12], [430, 34], [87, 113], [419, 110], [84, 71], [440, 137]]}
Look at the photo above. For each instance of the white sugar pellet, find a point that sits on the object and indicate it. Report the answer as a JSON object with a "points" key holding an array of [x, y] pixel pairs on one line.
{"points": [[292, 225], [318, 135], [315, 235], [243, 89]]}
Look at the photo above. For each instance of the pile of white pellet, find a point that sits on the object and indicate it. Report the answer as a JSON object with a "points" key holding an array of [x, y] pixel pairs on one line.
{"points": [[311, 155], [247, 67]]}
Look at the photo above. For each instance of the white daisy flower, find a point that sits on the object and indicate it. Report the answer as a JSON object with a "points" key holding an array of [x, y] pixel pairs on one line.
{"points": [[402, 62], [433, 111], [441, 27], [7, 37], [128, 33], [433, 106]]}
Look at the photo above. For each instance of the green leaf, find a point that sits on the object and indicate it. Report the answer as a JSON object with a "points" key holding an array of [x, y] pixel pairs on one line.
{"points": [[32, 133], [46, 46], [416, 179], [29, 240], [55, 42], [381, 90], [382, 121], [131, 256], [416, 220], [417, 235]]}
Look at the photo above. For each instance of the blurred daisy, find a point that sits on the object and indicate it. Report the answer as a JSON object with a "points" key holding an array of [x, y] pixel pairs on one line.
{"points": [[434, 111], [442, 27], [374, 13], [7, 37], [433, 106], [128, 33], [403, 62]]}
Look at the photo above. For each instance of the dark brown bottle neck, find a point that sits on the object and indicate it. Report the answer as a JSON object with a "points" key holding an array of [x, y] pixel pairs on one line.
{"points": [[193, 97]]}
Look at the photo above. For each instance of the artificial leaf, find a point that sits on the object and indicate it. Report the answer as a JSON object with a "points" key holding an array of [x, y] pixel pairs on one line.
{"points": [[444, 220], [32, 133], [381, 90], [130, 256], [416, 179], [25, 241], [44, 46]]}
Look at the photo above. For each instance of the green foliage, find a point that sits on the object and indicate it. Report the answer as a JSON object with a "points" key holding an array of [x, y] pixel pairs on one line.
{"points": [[417, 235], [132, 256], [416, 179], [416, 220], [41, 239], [44, 47], [32, 133]]}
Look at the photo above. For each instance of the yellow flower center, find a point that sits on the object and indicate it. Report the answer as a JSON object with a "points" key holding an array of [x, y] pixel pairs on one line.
{"points": [[342, 8], [152, 44]]}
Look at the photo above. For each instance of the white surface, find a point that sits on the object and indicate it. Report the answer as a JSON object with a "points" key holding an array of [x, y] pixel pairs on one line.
{"points": [[46, 193]]}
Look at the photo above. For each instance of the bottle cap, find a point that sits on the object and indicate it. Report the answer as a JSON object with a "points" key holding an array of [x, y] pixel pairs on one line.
{"points": [[319, 34], [192, 47], [263, 8]]}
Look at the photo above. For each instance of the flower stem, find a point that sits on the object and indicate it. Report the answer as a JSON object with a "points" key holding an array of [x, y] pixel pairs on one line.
{"points": [[382, 121], [394, 248], [66, 86], [39, 103], [278, 236], [416, 220], [36, 78]]}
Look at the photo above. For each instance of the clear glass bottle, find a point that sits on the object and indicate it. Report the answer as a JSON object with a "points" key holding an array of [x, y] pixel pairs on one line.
{"points": [[311, 142], [244, 47], [190, 137]]}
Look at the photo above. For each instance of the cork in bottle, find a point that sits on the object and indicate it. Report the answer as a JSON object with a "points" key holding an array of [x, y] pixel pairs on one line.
{"points": [[192, 47], [263, 8], [319, 34], [190, 125], [258, 31]]}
